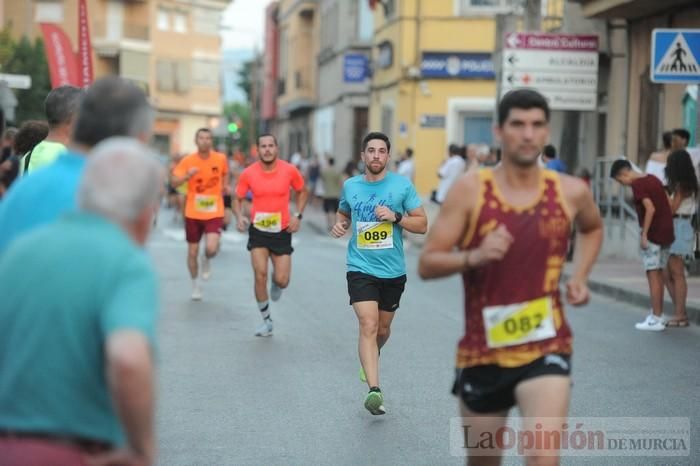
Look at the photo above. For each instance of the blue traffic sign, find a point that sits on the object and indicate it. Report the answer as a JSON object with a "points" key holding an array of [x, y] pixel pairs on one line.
{"points": [[675, 56]]}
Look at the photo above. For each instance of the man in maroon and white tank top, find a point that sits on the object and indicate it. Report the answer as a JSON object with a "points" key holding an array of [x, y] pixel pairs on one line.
{"points": [[505, 230]]}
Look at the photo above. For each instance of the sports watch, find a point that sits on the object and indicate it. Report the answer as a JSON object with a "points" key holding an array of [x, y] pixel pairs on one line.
{"points": [[398, 217]]}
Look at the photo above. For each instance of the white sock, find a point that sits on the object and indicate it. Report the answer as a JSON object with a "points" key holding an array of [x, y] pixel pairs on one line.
{"points": [[264, 309], [194, 283]]}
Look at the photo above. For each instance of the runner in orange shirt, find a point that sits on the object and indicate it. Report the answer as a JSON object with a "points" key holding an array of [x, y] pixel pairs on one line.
{"points": [[270, 234], [206, 175]]}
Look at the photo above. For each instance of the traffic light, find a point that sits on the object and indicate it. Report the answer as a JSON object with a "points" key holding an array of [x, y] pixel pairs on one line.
{"points": [[232, 127]]}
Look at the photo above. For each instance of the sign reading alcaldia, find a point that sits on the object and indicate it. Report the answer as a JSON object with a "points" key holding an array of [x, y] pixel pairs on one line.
{"points": [[562, 67]]}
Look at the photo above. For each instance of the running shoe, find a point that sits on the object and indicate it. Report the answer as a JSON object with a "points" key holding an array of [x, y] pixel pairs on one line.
{"points": [[374, 402], [265, 329], [196, 293]]}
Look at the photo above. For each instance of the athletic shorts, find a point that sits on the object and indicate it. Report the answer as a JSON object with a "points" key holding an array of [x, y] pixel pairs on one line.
{"points": [[194, 228], [279, 244], [227, 201], [330, 205], [385, 291], [491, 388]]}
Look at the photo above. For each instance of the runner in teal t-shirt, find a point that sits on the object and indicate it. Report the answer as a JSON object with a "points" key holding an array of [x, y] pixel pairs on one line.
{"points": [[377, 207]]}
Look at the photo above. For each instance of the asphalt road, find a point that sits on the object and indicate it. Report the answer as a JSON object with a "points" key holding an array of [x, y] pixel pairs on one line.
{"points": [[227, 397]]}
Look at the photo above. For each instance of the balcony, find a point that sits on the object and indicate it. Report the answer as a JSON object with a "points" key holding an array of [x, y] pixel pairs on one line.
{"points": [[629, 9], [110, 38]]}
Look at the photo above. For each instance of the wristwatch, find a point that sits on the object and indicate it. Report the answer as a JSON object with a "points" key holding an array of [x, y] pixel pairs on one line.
{"points": [[298, 215], [398, 217]]}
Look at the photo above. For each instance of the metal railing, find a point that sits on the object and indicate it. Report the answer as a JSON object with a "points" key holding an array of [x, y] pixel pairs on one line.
{"points": [[610, 198]]}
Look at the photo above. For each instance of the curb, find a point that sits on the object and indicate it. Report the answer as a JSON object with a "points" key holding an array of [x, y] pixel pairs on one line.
{"points": [[636, 298]]}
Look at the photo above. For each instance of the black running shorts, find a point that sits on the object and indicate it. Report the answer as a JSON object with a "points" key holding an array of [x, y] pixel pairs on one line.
{"points": [[279, 244], [386, 291], [491, 388]]}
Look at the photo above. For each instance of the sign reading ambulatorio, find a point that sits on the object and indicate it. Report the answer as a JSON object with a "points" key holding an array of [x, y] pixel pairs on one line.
{"points": [[562, 67]]}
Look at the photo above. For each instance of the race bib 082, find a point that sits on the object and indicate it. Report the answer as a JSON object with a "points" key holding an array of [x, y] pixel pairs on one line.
{"points": [[270, 222], [516, 324], [375, 235], [205, 203]]}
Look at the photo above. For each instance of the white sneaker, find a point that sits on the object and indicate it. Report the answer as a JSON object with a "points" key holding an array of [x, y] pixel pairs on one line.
{"points": [[265, 329], [275, 291], [206, 268], [196, 294], [651, 323]]}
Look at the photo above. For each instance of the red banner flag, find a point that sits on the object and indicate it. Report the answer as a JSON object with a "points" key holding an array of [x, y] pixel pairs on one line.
{"points": [[84, 47], [63, 65]]}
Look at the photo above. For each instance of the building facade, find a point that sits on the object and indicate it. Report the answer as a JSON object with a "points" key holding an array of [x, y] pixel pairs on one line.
{"points": [[341, 117], [642, 110], [298, 24], [169, 47], [268, 101], [433, 78]]}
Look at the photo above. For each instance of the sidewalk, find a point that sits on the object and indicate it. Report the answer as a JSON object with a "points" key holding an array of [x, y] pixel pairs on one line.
{"points": [[625, 280]]}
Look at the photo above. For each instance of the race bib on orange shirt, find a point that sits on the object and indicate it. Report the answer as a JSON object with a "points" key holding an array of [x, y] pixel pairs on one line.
{"points": [[205, 203]]}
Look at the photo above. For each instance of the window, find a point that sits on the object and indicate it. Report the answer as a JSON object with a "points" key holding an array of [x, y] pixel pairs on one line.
{"points": [[467, 7], [283, 54], [182, 76], [206, 21], [329, 28], [205, 73], [180, 22], [163, 20], [477, 129], [387, 120], [165, 75], [365, 22], [49, 12], [390, 8]]}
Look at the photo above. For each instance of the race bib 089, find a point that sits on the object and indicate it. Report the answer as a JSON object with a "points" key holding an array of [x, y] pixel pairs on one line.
{"points": [[205, 203], [270, 222], [516, 324], [375, 235]]}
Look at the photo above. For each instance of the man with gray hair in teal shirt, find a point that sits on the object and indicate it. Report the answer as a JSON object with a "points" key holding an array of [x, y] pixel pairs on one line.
{"points": [[77, 323]]}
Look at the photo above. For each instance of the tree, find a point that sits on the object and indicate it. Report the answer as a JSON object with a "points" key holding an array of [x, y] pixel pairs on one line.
{"points": [[239, 112], [244, 78], [29, 59]]}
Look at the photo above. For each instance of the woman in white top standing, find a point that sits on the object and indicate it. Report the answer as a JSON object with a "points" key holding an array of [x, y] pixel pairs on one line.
{"points": [[683, 188], [657, 161]]}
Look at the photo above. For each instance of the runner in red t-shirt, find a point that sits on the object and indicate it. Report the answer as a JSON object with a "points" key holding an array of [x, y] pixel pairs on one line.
{"points": [[270, 232]]}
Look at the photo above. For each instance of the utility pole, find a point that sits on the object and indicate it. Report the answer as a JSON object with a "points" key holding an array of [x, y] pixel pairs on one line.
{"points": [[255, 72], [533, 15]]}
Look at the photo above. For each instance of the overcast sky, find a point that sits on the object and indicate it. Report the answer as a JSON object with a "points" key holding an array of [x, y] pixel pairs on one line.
{"points": [[245, 18]]}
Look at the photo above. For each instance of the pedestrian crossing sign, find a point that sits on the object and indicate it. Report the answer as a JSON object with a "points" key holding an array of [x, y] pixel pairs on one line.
{"points": [[675, 56]]}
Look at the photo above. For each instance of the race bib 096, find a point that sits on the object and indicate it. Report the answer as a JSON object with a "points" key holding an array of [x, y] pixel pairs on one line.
{"points": [[270, 222]]}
